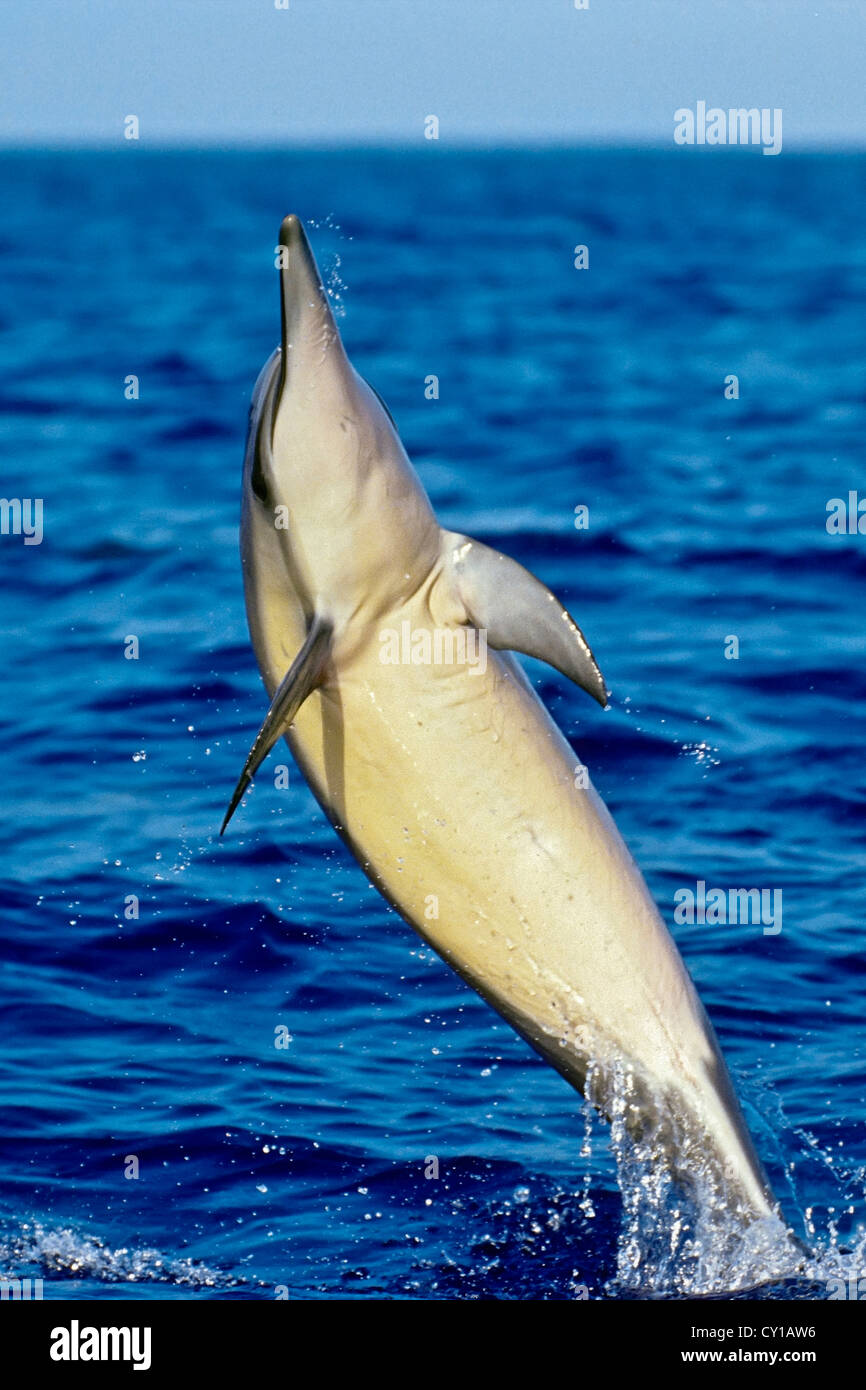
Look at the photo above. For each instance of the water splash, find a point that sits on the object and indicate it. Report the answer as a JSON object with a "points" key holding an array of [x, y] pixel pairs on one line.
{"points": [[335, 285], [702, 754], [65, 1253], [679, 1242]]}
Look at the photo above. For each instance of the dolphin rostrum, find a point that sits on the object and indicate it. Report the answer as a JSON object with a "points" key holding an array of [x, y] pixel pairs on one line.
{"points": [[443, 771]]}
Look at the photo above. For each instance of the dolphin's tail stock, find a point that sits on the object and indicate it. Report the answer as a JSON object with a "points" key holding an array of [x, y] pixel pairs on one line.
{"points": [[698, 1213]]}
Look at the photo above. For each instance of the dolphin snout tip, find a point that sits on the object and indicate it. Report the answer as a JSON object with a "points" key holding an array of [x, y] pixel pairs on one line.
{"points": [[291, 228]]}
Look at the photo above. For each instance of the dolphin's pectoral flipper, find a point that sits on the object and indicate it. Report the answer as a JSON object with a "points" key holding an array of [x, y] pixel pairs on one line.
{"points": [[301, 679], [519, 613]]}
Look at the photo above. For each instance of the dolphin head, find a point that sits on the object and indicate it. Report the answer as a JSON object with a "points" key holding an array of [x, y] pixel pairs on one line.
{"points": [[309, 372], [311, 353], [334, 517]]}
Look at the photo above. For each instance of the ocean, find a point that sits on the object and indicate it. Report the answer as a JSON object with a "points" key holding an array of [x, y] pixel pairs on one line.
{"points": [[155, 1141]]}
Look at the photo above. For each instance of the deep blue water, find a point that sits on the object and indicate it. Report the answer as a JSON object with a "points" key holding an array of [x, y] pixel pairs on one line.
{"points": [[154, 1037]]}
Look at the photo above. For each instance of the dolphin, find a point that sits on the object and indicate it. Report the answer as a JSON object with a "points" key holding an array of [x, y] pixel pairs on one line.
{"points": [[447, 778]]}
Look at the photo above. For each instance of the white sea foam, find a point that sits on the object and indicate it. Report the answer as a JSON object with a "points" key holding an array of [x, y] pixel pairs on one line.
{"points": [[65, 1253]]}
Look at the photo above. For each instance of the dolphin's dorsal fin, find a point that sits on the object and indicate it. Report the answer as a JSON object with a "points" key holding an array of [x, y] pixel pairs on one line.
{"points": [[519, 613], [301, 679]]}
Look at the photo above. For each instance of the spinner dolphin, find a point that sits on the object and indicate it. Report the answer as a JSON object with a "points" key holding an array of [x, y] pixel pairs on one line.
{"points": [[445, 774]]}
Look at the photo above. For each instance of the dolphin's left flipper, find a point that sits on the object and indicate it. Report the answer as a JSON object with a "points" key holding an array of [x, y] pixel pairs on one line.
{"points": [[519, 613], [301, 679]]}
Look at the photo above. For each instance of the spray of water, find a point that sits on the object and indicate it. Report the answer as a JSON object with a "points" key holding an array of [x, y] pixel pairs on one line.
{"points": [[335, 285], [694, 1240], [63, 1253]]}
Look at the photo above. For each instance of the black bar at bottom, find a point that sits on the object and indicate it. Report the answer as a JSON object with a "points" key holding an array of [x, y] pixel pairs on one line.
{"points": [[166, 1338]]}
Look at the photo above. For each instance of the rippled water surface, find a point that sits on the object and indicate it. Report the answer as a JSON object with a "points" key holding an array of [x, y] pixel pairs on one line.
{"points": [[304, 1167]]}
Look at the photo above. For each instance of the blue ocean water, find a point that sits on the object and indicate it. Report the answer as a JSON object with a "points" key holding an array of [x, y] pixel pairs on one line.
{"points": [[153, 1038]]}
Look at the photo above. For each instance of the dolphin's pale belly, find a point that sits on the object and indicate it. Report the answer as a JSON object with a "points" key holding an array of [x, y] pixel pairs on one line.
{"points": [[460, 798]]}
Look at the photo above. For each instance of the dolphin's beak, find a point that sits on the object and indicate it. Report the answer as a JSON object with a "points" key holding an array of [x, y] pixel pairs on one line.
{"points": [[299, 276], [305, 311], [293, 236]]}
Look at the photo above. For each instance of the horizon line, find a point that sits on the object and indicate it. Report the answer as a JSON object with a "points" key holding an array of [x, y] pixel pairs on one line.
{"points": [[470, 144]]}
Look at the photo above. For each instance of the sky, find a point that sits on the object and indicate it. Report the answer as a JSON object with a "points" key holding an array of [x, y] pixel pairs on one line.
{"points": [[337, 72]]}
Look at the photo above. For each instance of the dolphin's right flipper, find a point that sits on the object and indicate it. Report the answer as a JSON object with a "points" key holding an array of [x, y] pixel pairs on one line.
{"points": [[519, 613], [301, 679]]}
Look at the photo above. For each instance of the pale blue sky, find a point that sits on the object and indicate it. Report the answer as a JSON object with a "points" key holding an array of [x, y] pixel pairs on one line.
{"points": [[340, 71]]}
